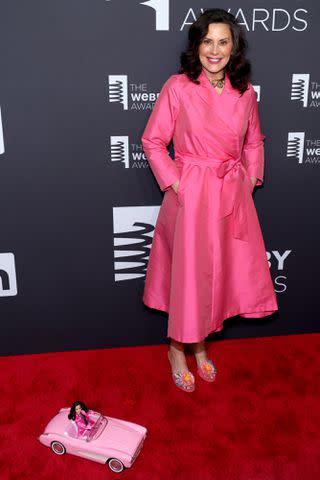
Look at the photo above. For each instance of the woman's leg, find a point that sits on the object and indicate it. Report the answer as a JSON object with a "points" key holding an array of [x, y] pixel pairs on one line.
{"points": [[182, 377], [177, 357], [199, 350], [206, 368]]}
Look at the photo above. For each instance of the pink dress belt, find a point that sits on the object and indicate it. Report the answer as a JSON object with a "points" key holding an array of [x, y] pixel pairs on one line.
{"points": [[233, 195]]}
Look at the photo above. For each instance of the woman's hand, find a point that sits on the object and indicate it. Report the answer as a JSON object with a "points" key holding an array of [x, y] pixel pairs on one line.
{"points": [[253, 181], [175, 186]]}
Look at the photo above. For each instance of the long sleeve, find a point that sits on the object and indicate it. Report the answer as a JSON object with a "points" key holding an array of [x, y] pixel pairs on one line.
{"points": [[253, 147], [159, 132]]}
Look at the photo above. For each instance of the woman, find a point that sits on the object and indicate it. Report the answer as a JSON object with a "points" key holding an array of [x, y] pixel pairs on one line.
{"points": [[80, 414], [208, 259]]}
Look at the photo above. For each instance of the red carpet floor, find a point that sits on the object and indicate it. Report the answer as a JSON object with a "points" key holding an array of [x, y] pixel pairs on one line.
{"points": [[260, 419]]}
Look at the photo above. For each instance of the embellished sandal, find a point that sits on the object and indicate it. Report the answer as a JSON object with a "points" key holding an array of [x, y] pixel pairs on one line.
{"points": [[207, 370], [183, 379]]}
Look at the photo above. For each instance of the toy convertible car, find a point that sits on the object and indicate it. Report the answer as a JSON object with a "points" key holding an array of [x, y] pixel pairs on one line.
{"points": [[110, 441]]}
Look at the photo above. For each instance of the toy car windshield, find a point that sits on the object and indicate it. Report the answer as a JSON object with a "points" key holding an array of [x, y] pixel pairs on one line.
{"points": [[97, 428]]}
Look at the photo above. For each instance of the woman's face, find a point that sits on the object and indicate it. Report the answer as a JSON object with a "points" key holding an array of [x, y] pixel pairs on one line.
{"points": [[215, 49], [78, 409]]}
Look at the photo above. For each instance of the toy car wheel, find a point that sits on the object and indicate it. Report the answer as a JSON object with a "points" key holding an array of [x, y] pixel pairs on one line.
{"points": [[115, 465], [58, 448]]}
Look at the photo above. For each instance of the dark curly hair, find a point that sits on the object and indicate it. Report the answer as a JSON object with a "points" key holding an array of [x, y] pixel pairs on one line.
{"points": [[238, 67], [72, 414]]}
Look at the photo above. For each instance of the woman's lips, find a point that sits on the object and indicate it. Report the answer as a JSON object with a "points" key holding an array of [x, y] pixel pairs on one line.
{"points": [[214, 61]]}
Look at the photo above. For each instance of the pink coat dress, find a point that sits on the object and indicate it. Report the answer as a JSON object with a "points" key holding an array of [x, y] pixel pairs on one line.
{"points": [[82, 426], [208, 259]]}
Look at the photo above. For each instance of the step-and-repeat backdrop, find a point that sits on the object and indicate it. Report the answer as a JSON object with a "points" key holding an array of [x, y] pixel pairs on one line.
{"points": [[78, 200]]}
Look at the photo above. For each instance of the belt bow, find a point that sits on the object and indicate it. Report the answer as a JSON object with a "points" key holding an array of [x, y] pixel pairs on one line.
{"points": [[232, 197]]}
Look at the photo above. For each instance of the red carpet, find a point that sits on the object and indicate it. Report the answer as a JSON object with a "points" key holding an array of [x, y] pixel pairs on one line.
{"points": [[260, 419]]}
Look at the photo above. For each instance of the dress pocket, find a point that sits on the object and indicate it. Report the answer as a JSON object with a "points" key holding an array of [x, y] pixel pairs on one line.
{"points": [[181, 184]]}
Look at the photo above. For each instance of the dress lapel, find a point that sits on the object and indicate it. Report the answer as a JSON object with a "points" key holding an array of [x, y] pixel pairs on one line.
{"points": [[223, 104]]}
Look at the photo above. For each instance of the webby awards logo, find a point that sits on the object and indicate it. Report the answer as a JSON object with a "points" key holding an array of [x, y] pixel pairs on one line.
{"points": [[161, 9], [252, 19], [260, 19], [132, 96], [277, 260], [126, 153], [304, 150], [8, 279], [257, 89], [133, 229], [305, 91]]}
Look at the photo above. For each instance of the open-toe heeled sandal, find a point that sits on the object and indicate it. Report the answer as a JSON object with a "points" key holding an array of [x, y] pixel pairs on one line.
{"points": [[207, 370], [183, 379]]}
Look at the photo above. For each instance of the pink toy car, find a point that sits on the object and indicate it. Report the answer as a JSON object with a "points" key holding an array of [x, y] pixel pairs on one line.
{"points": [[110, 441]]}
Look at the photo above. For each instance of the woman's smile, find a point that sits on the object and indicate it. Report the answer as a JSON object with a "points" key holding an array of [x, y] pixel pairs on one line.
{"points": [[213, 60]]}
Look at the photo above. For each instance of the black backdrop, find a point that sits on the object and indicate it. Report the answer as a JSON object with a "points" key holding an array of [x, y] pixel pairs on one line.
{"points": [[78, 81]]}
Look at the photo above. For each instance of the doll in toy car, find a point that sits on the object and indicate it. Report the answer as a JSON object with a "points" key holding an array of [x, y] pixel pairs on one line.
{"points": [[82, 419]]}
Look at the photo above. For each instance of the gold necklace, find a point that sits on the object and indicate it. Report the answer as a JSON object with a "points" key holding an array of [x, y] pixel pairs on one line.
{"points": [[218, 83]]}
